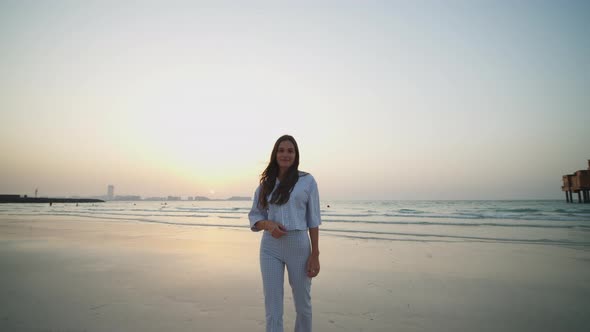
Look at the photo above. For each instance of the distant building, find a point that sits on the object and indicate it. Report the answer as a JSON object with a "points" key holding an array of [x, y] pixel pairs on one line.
{"points": [[174, 198], [111, 192], [239, 198], [128, 198], [155, 199], [189, 198], [578, 183]]}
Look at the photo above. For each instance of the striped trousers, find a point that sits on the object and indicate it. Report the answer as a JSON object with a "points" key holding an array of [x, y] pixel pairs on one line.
{"points": [[291, 250]]}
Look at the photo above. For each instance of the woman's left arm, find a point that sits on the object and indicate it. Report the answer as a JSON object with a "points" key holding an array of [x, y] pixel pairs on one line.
{"points": [[313, 262], [314, 219]]}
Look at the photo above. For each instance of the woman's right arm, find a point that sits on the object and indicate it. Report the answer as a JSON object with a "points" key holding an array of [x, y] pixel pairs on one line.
{"points": [[261, 225], [259, 219], [257, 214]]}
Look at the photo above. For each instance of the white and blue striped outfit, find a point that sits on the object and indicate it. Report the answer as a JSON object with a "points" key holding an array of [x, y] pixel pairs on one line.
{"points": [[302, 211]]}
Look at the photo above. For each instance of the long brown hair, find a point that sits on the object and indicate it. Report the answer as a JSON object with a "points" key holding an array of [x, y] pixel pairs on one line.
{"points": [[268, 178]]}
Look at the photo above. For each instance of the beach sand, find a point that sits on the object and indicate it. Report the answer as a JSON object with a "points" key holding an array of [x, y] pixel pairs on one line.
{"points": [[73, 274]]}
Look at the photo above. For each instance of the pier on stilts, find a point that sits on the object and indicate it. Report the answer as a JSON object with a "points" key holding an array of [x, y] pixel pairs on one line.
{"points": [[577, 183]]}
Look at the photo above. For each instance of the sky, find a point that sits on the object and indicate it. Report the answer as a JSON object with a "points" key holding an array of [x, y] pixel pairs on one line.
{"points": [[387, 99]]}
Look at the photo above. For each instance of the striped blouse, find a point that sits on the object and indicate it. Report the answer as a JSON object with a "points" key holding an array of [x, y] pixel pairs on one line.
{"points": [[302, 210]]}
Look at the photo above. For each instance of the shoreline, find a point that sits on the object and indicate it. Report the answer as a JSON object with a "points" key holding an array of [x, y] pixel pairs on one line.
{"points": [[69, 274]]}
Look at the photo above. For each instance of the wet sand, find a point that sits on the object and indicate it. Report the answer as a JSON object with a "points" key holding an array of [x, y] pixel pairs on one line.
{"points": [[75, 274]]}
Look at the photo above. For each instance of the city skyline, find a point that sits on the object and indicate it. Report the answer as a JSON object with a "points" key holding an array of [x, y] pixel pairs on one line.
{"points": [[112, 195]]}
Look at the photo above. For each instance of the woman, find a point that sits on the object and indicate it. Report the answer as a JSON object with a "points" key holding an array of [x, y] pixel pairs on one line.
{"points": [[287, 206]]}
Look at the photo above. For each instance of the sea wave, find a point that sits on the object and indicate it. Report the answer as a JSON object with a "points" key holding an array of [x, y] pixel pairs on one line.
{"points": [[103, 214], [410, 211], [413, 237], [540, 216], [523, 210], [431, 223], [347, 215]]}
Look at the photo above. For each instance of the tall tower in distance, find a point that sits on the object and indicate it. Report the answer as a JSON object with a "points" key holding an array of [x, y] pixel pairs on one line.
{"points": [[111, 192]]}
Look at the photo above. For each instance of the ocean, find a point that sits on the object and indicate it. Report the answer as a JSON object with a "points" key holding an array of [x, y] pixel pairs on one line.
{"points": [[546, 222]]}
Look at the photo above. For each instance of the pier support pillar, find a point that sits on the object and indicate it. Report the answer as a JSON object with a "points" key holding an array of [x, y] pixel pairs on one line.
{"points": [[567, 197], [579, 197]]}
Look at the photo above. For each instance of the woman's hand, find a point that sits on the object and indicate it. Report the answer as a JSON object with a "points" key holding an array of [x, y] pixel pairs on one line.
{"points": [[313, 265], [276, 230]]}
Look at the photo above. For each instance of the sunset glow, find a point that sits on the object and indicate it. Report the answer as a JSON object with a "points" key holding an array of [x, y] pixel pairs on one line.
{"points": [[388, 100]]}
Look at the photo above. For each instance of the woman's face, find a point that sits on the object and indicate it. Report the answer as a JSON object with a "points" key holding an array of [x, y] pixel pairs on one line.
{"points": [[286, 154]]}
